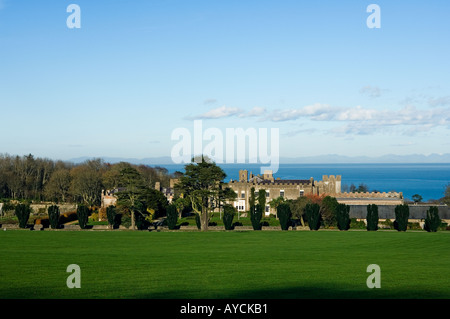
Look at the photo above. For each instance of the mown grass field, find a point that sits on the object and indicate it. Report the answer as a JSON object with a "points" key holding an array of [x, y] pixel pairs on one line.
{"points": [[215, 265]]}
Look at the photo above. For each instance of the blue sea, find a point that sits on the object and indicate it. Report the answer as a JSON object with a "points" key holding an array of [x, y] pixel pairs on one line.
{"points": [[427, 180]]}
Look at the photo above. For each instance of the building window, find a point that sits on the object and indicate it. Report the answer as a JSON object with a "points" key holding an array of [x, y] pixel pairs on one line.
{"points": [[242, 194], [282, 193], [267, 208], [302, 193], [240, 205], [267, 194]]}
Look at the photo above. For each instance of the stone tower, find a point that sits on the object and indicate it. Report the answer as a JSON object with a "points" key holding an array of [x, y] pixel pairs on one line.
{"points": [[243, 175]]}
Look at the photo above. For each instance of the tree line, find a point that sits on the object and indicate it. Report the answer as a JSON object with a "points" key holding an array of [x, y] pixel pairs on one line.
{"points": [[202, 184], [41, 179], [200, 188]]}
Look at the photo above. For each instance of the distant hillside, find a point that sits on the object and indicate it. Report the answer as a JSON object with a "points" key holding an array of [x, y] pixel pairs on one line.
{"points": [[322, 159], [389, 158], [164, 160]]}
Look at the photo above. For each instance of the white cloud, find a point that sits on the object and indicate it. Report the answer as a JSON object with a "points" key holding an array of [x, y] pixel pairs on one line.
{"points": [[256, 111], [220, 112], [407, 121], [226, 111], [362, 121], [356, 114], [318, 112], [357, 120]]}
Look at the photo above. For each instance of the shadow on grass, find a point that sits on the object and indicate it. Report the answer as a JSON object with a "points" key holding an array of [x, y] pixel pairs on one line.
{"points": [[303, 292], [281, 293]]}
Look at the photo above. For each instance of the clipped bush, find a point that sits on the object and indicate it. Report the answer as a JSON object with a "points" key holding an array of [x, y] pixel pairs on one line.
{"points": [[387, 224], [111, 214], [94, 217], [228, 215], [401, 217], [255, 216], [83, 216], [357, 224], [53, 216], [312, 212], [284, 215], [432, 222], [372, 217], [415, 226], [172, 216], [343, 216], [22, 212]]}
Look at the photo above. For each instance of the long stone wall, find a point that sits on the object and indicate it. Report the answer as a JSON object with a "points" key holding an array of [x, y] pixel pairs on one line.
{"points": [[43, 207], [63, 208], [388, 211]]}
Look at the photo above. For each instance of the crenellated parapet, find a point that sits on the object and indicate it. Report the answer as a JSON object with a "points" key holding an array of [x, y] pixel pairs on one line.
{"points": [[365, 198], [371, 195], [330, 185]]}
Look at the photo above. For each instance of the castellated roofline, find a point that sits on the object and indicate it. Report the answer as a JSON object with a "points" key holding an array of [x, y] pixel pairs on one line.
{"points": [[326, 178], [371, 195], [276, 182]]}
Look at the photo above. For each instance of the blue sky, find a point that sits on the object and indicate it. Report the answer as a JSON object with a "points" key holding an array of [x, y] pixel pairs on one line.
{"points": [[137, 70]]}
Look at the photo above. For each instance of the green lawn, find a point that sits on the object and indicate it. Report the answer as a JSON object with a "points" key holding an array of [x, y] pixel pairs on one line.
{"points": [[188, 265]]}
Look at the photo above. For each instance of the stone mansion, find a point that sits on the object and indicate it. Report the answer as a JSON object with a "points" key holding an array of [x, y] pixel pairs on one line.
{"points": [[276, 187], [294, 188]]}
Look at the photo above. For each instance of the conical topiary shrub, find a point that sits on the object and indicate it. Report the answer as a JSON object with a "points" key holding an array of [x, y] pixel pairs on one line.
{"points": [[343, 216], [53, 216], [83, 216], [111, 214], [172, 216], [22, 212], [312, 212], [256, 216], [432, 222], [372, 217], [401, 217], [228, 215], [284, 215]]}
